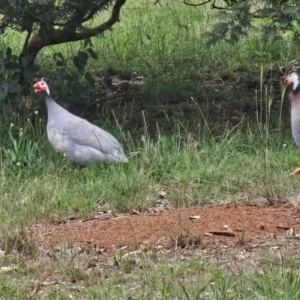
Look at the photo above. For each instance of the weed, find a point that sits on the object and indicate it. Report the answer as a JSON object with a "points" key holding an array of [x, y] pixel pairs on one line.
{"points": [[242, 235], [182, 235], [19, 241]]}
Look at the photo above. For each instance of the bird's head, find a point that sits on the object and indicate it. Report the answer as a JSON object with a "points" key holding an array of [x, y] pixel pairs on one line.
{"points": [[41, 87], [293, 80]]}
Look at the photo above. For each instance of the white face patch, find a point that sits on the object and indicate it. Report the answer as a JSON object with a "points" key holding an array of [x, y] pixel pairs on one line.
{"points": [[44, 84], [294, 79]]}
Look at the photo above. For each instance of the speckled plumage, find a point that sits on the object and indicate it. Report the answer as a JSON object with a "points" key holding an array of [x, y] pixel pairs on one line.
{"points": [[81, 141]]}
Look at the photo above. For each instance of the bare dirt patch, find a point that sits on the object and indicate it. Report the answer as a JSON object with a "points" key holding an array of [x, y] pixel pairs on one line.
{"points": [[197, 228]]}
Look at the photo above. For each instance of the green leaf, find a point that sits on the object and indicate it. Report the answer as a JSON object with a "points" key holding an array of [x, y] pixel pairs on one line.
{"points": [[92, 53], [80, 60], [60, 63], [15, 76], [76, 62], [27, 60], [12, 65], [60, 60], [29, 72], [8, 52], [14, 87], [90, 79], [58, 56], [3, 91], [83, 56], [81, 89]]}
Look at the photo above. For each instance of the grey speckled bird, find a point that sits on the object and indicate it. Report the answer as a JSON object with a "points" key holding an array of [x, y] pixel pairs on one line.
{"points": [[81, 141], [293, 80]]}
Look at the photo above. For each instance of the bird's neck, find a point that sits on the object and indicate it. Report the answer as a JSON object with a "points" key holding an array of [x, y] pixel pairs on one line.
{"points": [[52, 106], [295, 104], [296, 91], [295, 98], [49, 101]]}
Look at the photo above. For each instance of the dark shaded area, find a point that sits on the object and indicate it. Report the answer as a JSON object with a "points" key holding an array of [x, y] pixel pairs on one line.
{"points": [[228, 99]]}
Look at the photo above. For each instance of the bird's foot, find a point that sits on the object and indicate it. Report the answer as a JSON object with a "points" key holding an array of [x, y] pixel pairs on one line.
{"points": [[295, 172]]}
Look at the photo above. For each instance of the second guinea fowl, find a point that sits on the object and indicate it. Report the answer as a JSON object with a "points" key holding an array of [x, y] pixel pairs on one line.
{"points": [[293, 80], [81, 141]]}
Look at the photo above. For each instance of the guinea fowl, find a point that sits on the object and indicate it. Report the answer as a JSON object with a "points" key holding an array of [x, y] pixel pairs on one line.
{"points": [[81, 141], [293, 80]]}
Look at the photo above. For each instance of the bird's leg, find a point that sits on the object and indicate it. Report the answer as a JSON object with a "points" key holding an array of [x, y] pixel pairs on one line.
{"points": [[295, 172]]}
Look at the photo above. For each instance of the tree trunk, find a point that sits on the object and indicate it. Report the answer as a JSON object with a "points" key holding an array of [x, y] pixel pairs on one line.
{"points": [[51, 36]]}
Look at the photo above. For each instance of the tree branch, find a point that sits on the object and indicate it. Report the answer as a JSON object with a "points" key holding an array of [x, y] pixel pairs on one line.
{"points": [[69, 34], [23, 53], [29, 32], [115, 17], [187, 2]]}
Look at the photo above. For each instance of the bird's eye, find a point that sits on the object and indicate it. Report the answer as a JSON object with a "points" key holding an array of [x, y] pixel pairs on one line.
{"points": [[42, 83]]}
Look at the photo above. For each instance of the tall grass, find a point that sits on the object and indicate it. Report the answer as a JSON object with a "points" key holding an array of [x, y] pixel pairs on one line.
{"points": [[217, 164]]}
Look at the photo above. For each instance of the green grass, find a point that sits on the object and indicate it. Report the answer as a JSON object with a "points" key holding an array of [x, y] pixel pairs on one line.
{"points": [[69, 274], [227, 145], [37, 183], [241, 164]]}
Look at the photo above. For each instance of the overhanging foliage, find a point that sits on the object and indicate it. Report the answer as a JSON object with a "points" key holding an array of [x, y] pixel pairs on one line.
{"points": [[274, 18], [48, 22]]}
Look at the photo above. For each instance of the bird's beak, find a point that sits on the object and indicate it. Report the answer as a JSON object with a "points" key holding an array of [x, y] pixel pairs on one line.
{"points": [[37, 88], [288, 80]]}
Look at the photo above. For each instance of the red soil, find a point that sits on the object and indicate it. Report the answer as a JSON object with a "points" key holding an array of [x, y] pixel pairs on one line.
{"points": [[197, 226]]}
